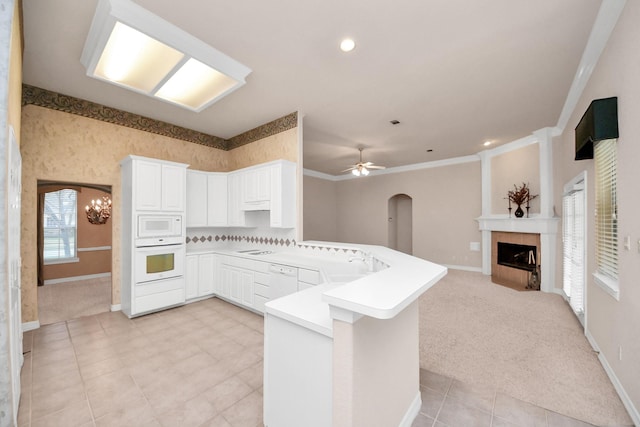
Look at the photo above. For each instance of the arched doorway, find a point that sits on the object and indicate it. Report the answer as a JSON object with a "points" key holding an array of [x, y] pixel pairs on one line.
{"points": [[401, 223]]}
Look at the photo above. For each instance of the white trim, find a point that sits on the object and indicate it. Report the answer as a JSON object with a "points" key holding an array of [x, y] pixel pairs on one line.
{"points": [[398, 169], [622, 393], [96, 248], [510, 146], [116, 307], [606, 20], [61, 261], [607, 284], [76, 278], [463, 268], [412, 411], [30, 326]]}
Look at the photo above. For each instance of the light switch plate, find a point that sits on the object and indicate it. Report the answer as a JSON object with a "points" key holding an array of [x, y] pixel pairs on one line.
{"points": [[627, 243], [474, 246]]}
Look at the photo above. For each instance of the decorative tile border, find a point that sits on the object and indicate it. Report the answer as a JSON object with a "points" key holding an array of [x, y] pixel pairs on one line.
{"points": [[247, 239], [32, 95]]}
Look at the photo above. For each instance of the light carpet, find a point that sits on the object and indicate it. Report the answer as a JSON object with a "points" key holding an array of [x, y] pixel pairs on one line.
{"points": [[71, 300], [528, 345]]}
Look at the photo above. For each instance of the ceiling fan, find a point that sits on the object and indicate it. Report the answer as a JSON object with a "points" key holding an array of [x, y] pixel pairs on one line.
{"points": [[362, 168]]}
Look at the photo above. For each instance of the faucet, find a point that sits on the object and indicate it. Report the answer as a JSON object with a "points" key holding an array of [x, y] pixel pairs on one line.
{"points": [[357, 258]]}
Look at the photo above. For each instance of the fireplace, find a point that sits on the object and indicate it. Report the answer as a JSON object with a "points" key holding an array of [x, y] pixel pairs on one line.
{"points": [[522, 257], [514, 258]]}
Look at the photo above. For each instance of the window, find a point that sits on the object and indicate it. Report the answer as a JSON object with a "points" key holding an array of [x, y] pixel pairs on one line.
{"points": [[59, 225], [606, 216], [573, 248]]}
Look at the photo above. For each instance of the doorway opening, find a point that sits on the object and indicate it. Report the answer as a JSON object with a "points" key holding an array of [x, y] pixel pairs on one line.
{"points": [[74, 255], [401, 223]]}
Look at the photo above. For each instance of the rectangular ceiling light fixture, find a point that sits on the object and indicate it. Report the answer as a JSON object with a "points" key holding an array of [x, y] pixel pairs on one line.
{"points": [[129, 46]]}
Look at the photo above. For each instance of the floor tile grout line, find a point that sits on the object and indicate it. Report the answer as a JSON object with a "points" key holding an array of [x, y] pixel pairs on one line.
{"points": [[84, 384]]}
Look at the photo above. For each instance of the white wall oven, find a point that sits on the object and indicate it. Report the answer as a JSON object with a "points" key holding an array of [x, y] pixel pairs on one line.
{"points": [[154, 230], [159, 262]]}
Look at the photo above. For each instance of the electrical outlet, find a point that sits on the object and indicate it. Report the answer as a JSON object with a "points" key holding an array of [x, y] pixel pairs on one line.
{"points": [[627, 243], [620, 353]]}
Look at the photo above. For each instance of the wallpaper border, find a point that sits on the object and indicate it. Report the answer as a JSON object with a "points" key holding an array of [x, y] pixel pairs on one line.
{"points": [[32, 95]]}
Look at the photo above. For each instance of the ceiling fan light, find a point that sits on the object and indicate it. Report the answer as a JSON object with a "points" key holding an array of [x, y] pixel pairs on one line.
{"points": [[356, 172], [365, 171]]}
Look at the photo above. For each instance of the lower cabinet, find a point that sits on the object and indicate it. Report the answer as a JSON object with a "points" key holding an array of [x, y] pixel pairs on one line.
{"points": [[199, 274], [243, 281]]}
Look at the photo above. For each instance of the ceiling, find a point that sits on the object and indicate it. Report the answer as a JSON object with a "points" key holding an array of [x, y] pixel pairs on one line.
{"points": [[455, 73]]}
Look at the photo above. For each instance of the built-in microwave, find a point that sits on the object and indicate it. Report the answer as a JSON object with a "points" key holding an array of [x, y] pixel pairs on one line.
{"points": [[159, 262], [154, 230]]}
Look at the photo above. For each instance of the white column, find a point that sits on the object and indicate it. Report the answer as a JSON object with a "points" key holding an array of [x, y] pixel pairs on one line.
{"points": [[485, 168], [545, 141]]}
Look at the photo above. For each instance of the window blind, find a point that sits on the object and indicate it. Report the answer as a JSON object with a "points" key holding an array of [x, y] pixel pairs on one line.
{"points": [[606, 209], [60, 215], [573, 233]]}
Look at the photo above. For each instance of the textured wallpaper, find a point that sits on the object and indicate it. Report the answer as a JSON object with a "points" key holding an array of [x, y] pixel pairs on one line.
{"points": [[65, 147]]}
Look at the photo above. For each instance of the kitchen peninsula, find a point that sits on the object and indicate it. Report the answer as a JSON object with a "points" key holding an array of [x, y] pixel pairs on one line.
{"points": [[343, 351]]}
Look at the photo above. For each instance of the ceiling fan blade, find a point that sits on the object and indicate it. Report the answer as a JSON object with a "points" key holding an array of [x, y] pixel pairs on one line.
{"points": [[376, 167], [350, 169]]}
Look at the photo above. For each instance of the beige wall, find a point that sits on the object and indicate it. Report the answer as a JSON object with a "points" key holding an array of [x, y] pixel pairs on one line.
{"points": [[88, 236], [515, 167], [446, 200], [58, 146], [613, 324], [320, 220], [283, 145]]}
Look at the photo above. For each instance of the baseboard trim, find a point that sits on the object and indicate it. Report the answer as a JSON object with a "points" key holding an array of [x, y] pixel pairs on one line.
{"points": [[76, 278], [463, 268], [116, 307], [412, 412], [30, 326], [626, 400]]}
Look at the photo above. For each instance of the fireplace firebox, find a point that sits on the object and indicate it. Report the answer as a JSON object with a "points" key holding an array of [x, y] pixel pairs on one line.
{"points": [[522, 257]]}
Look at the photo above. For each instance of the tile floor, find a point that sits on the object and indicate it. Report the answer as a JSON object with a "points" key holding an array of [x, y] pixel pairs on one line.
{"points": [[198, 365]]}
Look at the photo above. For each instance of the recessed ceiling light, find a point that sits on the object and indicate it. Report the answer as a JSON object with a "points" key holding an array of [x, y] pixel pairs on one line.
{"points": [[429, 150], [347, 45], [394, 122], [487, 143]]}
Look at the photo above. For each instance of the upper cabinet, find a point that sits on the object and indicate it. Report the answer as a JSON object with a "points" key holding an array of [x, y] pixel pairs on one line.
{"points": [[206, 199], [256, 188], [157, 185], [216, 199]]}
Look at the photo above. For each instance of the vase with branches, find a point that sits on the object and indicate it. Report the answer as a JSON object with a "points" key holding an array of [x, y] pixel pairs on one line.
{"points": [[520, 196]]}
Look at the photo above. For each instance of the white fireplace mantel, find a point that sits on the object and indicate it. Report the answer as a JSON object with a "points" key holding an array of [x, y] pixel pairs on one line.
{"points": [[534, 224]]}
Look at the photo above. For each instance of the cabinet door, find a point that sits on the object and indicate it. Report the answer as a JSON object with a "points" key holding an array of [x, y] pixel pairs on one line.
{"points": [[246, 280], [191, 277], [148, 185], [217, 209], [236, 214], [173, 187], [283, 197], [197, 192], [206, 264], [235, 285], [257, 185], [226, 277]]}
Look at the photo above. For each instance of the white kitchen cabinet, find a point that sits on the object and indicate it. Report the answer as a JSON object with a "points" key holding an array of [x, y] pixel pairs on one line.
{"points": [[196, 199], [206, 199], [199, 275], [217, 199], [191, 277], [283, 195], [206, 274], [308, 278], [236, 216], [256, 188], [158, 185]]}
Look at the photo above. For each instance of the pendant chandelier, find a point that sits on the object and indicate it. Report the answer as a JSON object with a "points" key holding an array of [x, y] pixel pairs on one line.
{"points": [[99, 211]]}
